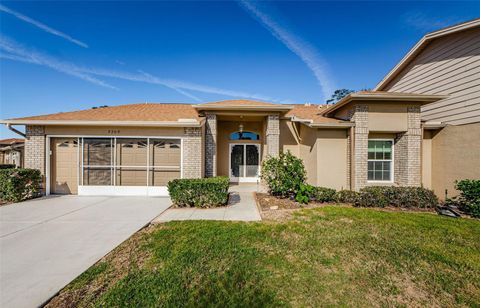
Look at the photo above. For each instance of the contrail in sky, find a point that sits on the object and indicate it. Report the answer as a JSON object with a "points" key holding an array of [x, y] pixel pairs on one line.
{"points": [[301, 48], [42, 26], [16, 52]]}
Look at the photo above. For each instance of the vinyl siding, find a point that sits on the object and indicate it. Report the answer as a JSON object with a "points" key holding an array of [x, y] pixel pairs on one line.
{"points": [[448, 65]]}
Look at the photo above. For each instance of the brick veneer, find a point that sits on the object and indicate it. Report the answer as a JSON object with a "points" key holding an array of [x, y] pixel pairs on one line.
{"points": [[360, 147], [192, 149], [35, 148], [408, 151], [273, 135], [211, 145]]}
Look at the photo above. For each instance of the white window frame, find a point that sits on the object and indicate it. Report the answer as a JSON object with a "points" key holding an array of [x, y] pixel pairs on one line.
{"points": [[392, 164], [110, 189]]}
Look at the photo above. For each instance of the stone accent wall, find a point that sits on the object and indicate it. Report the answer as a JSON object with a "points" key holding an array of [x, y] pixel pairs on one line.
{"points": [[273, 135], [211, 145], [192, 152], [407, 151], [35, 148], [360, 148]]}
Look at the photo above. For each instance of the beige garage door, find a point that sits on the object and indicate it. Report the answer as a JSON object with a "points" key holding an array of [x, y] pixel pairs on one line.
{"points": [[63, 166]]}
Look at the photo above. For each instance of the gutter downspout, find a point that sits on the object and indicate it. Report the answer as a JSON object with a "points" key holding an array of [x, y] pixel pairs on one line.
{"points": [[9, 126]]}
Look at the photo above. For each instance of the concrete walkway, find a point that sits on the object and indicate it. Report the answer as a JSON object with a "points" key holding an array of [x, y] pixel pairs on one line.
{"points": [[46, 243], [241, 207]]}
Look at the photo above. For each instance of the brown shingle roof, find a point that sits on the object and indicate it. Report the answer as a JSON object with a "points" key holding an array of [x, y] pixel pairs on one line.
{"points": [[311, 112], [238, 102], [11, 141], [132, 112]]}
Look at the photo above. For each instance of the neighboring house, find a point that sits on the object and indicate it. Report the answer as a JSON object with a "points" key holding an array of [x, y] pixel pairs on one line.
{"points": [[445, 62], [11, 151], [367, 138]]}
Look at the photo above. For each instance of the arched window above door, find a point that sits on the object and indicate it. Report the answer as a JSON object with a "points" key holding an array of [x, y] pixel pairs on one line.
{"points": [[244, 136]]}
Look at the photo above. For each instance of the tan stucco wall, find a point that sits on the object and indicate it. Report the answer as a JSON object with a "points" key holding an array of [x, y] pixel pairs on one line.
{"points": [[113, 131], [332, 158], [427, 159], [224, 129], [308, 152], [387, 117], [455, 156], [288, 138]]}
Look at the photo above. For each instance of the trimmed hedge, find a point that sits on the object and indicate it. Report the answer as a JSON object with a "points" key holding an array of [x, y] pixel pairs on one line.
{"points": [[202, 193], [324, 194], [346, 196], [7, 166], [408, 197], [19, 184]]}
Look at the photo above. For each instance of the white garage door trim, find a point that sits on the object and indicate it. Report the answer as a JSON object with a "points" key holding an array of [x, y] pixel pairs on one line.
{"points": [[110, 190]]}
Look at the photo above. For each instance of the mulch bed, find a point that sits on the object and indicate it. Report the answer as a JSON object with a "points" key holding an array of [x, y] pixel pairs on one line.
{"points": [[273, 208]]}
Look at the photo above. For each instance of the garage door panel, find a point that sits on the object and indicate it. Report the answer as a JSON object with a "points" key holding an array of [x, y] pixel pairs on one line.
{"points": [[64, 162]]}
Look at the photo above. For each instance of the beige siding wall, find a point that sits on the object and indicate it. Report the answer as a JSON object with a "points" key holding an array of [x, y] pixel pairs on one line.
{"points": [[387, 117], [448, 65], [455, 156]]}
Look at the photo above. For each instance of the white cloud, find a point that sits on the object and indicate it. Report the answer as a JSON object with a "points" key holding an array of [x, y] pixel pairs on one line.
{"points": [[301, 48], [17, 52], [42, 26]]}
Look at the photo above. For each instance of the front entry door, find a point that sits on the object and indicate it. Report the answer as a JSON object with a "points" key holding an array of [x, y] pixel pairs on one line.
{"points": [[244, 162]]}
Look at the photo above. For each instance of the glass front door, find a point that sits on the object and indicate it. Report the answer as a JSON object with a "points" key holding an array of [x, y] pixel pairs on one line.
{"points": [[244, 162]]}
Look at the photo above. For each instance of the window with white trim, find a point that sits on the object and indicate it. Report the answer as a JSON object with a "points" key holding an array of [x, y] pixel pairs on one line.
{"points": [[380, 160]]}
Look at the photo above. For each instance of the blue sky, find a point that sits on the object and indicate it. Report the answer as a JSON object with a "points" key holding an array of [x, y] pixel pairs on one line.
{"points": [[63, 56]]}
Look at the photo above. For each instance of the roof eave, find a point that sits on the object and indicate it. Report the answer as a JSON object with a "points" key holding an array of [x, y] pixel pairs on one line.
{"points": [[393, 97], [331, 125], [245, 108], [105, 123]]}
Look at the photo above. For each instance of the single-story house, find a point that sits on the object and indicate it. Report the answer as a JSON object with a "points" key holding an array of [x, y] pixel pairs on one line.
{"points": [[11, 151], [388, 136]]}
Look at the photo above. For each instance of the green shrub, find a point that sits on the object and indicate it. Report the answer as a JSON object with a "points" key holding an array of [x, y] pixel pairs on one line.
{"points": [[203, 193], [324, 194], [469, 199], [283, 174], [19, 184], [346, 196], [305, 193], [7, 166], [408, 197]]}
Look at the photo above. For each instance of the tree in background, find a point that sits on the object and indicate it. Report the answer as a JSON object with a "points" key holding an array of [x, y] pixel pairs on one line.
{"points": [[338, 95]]}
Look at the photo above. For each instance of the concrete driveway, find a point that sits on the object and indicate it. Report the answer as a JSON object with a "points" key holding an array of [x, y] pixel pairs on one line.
{"points": [[46, 243]]}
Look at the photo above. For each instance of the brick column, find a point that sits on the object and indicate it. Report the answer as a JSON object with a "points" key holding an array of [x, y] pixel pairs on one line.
{"points": [[211, 145], [35, 148], [273, 135], [407, 151], [360, 147], [192, 152]]}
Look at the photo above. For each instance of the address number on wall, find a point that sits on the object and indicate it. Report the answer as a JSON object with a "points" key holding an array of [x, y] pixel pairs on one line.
{"points": [[113, 131]]}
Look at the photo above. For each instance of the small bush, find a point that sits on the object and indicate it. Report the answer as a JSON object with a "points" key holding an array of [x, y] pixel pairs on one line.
{"points": [[305, 193], [7, 166], [407, 197], [346, 196], [469, 199], [19, 184], [323, 194], [203, 193], [283, 174]]}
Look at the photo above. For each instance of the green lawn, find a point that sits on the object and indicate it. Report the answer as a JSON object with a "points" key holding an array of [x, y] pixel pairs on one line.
{"points": [[320, 257]]}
